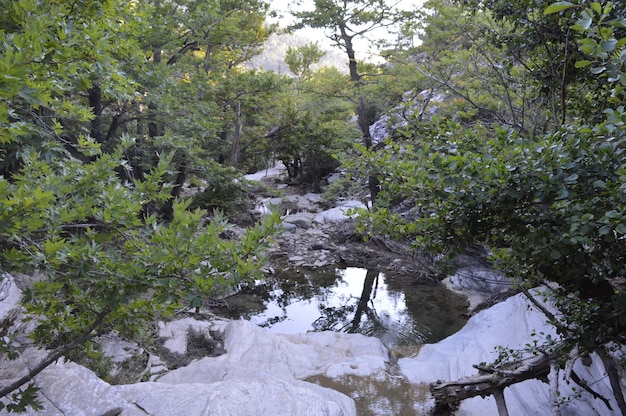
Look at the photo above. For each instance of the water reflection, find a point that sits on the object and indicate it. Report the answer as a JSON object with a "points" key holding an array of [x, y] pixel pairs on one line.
{"points": [[393, 308]]}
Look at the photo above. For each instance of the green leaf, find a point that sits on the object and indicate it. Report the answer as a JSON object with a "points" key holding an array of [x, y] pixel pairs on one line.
{"points": [[599, 184], [572, 178], [598, 70], [608, 45], [582, 64], [557, 7], [596, 7]]}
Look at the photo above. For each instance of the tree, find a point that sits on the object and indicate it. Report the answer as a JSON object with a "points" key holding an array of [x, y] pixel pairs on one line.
{"points": [[549, 208], [312, 125], [77, 192], [300, 59], [344, 22]]}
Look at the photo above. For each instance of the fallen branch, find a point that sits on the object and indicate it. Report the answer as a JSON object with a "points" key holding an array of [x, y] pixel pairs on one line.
{"points": [[447, 393]]}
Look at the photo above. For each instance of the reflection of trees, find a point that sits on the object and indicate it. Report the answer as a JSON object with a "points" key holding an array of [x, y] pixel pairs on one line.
{"points": [[285, 289], [431, 313], [349, 316], [371, 277]]}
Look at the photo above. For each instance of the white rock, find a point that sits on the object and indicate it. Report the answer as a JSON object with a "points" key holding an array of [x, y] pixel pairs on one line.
{"points": [[10, 296], [70, 389], [252, 351], [507, 324], [477, 284], [117, 349], [276, 171], [255, 396], [176, 332], [337, 214]]}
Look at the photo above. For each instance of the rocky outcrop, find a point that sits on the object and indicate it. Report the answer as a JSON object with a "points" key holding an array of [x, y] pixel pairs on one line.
{"points": [[507, 324], [251, 351], [259, 374]]}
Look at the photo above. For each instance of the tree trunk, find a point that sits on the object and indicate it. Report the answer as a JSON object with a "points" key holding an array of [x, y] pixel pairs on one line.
{"points": [[364, 121], [95, 102], [366, 294], [614, 379], [234, 150]]}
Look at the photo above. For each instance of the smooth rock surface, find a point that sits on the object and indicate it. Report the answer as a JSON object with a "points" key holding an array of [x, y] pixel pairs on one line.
{"points": [[507, 324], [254, 396], [176, 332], [70, 389], [251, 350]]}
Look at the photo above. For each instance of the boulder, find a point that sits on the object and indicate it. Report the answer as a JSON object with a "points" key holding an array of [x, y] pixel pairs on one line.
{"points": [[262, 374], [300, 220], [338, 214], [176, 332], [477, 284], [118, 349], [306, 203], [271, 172]]}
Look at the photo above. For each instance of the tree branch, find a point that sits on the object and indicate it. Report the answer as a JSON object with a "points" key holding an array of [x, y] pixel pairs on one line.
{"points": [[55, 355]]}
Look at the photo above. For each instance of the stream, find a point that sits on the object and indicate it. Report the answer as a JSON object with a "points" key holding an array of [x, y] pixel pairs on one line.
{"points": [[401, 312]]}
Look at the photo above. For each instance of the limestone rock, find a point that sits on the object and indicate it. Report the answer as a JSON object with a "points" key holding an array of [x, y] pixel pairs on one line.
{"points": [[254, 396], [176, 332], [10, 296], [70, 389], [477, 284], [252, 351], [300, 220], [118, 349], [507, 324], [337, 214]]}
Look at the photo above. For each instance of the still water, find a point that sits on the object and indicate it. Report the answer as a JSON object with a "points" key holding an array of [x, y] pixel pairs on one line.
{"points": [[395, 308]]}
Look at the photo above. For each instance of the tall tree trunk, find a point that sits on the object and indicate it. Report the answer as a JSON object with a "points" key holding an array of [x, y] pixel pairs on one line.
{"points": [[364, 121], [234, 150]]}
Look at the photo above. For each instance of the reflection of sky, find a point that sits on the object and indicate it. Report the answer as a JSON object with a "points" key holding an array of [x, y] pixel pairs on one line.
{"points": [[386, 315]]}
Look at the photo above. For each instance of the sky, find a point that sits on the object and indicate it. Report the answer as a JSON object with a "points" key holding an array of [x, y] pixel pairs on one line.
{"points": [[363, 49]]}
